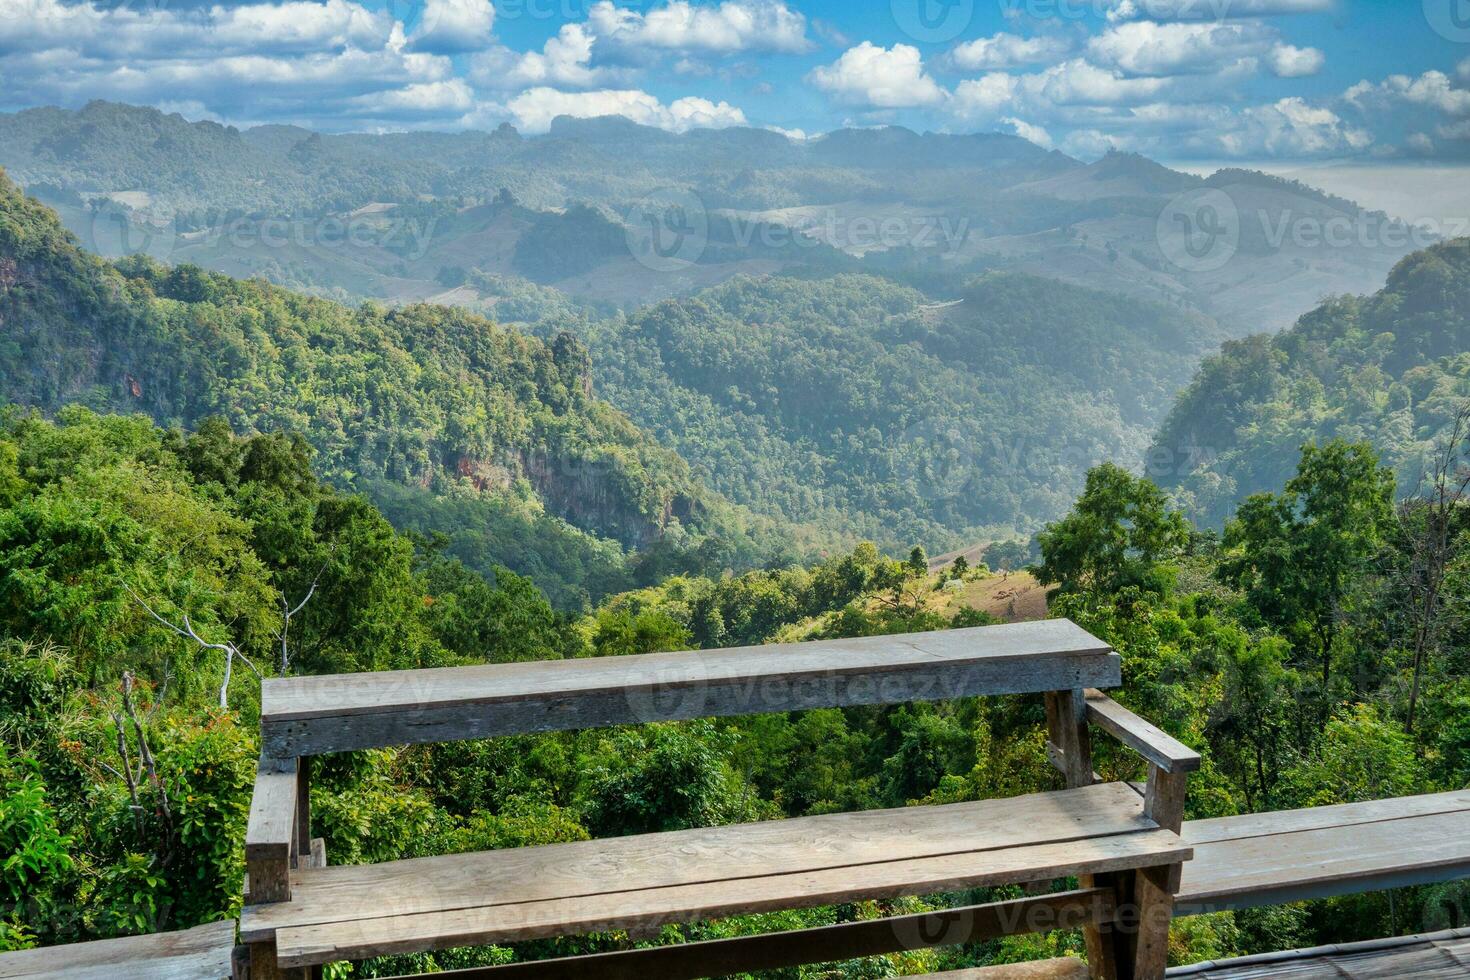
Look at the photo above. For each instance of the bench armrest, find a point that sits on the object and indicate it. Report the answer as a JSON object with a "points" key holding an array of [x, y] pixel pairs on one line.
{"points": [[270, 835], [1148, 740]]}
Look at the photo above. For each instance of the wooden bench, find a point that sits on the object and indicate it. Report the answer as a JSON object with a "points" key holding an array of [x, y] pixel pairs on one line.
{"points": [[1123, 849], [1293, 855], [201, 953], [1286, 856]]}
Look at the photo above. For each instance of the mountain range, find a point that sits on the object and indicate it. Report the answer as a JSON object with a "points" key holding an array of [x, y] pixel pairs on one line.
{"points": [[929, 209], [609, 353]]}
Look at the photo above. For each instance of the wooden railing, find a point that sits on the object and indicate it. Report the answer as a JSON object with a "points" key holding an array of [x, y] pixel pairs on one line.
{"points": [[1127, 862]]}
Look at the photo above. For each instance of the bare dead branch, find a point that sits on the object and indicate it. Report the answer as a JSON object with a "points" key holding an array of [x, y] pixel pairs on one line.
{"points": [[145, 754], [287, 613], [228, 649]]}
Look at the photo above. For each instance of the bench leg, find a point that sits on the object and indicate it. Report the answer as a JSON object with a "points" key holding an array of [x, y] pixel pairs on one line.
{"points": [[263, 965], [1144, 944], [1102, 941], [302, 832], [1153, 902], [1066, 723]]}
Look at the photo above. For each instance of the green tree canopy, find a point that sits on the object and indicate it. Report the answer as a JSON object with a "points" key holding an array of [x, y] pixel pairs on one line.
{"points": [[1117, 535]]}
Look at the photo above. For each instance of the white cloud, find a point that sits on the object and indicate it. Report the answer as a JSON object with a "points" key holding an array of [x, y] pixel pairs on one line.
{"points": [[735, 25], [431, 99], [295, 60], [1143, 47], [121, 33], [1008, 51], [1292, 127], [798, 135], [1290, 61], [1455, 131], [453, 26], [1079, 82], [1027, 131], [1431, 90], [1420, 143], [985, 97], [883, 78], [564, 60], [1087, 143], [535, 108], [1212, 10], [1072, 92]]}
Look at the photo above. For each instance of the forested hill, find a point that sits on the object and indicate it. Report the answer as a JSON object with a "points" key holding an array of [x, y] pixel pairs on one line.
{"points": [[1391, 368], [428, 408], [854, 403]]}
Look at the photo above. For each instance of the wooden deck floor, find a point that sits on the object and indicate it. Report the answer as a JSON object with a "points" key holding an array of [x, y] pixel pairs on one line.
{"points": [[1433, 956]]}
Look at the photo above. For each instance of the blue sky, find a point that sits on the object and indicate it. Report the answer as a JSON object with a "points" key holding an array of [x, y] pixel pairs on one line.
{"points": [[1284, 80]]}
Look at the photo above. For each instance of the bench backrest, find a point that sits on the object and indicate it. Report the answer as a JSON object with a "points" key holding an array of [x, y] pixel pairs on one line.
{"points": [[303, 716]]}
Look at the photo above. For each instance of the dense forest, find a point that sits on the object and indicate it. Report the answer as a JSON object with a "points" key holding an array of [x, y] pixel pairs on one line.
{"points": [[851, 402], [1392, 368], [427, 408]]}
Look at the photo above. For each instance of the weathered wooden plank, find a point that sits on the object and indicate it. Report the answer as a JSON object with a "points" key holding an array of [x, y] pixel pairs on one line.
{"points": [[621, 864], [1321, 817], [271, 830], [201, 953], [652, 907], [315, 715], [1275, 868], [1148, 740], [770, 951]]}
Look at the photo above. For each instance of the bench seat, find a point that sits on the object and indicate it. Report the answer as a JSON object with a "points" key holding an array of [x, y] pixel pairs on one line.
{"points": [[642, 882], [201, 953], [1293, 855]]}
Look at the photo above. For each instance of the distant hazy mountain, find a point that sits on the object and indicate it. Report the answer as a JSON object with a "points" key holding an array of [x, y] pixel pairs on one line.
{"points": [[929, 210]]}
